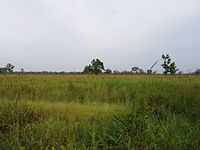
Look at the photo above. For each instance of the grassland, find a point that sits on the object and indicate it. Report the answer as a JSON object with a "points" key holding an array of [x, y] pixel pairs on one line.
{"points": [[99, 112]]}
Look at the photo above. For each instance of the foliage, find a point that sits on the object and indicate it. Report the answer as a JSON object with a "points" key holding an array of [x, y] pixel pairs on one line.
{"points": [[108, 71], [180, 72], [137, 70], [168, 66], [116, 71], [7, 69], [149, 71], [88, 69], [197, 71], [22, 70], [3, 70], [95, 67]]}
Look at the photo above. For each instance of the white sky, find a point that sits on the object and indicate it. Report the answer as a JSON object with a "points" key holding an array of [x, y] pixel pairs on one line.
{"points": [[65, 35]]}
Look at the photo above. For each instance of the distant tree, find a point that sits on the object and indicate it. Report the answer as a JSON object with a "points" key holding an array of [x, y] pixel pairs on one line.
{"points": [[149, 71], [116, 71], [7, 69], [95, 67], [88, 69], [22, 70], [108, 71], [180, 72], [172, 68], [168, 66], [166, 63], [3, 70], [141, 71], [197, 71], [137, 70]]}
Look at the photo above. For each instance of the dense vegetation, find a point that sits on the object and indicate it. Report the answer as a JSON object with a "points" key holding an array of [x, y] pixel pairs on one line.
{"points": [[99, 112]]}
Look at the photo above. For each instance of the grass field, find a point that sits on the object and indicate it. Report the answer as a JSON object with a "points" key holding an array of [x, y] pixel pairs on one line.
{"points": [[99, 112]]}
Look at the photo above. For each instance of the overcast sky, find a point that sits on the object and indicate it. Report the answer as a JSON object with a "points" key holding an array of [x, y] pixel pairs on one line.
{"points": [[65, 35]]}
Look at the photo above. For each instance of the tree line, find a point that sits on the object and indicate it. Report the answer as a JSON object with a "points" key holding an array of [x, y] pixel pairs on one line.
{"points": [[97, 67]]}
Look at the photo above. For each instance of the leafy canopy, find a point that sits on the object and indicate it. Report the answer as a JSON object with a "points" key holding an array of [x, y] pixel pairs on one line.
{"points": [[95, 67], [168, 66], [7, 69]]}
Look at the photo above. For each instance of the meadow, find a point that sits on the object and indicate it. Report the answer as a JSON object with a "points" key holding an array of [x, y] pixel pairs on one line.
{"points": [[99, 112]]}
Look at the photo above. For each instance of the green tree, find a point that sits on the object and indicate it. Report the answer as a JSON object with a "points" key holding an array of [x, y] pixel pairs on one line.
{"points": [[137, 70], [168, 66], [141, 71], [116, 71], [3, 70], [95, 67], [197, 71], [22, 70], [9, 67], [108, 71], [88, 69]]}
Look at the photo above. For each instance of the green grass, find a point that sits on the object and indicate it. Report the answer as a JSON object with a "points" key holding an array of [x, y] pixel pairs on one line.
{"points": [[99, 112]]}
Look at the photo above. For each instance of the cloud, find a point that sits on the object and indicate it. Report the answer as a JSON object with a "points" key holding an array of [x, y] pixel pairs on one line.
{"points": [[66, 34]]}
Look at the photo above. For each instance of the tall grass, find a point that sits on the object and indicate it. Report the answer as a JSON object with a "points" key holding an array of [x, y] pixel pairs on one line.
{"points": [[99, 112]]}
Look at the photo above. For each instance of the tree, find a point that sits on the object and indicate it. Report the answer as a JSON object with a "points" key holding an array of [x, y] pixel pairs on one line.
{"points": [[168, 66], [7, 69], [172, 68], [141, 71], [149, 71], [197, 71], [22, 70], [108, 71], [88, 69], [116, 71], [95, 67], [180, 72], [137, 70], [3, 70]]}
